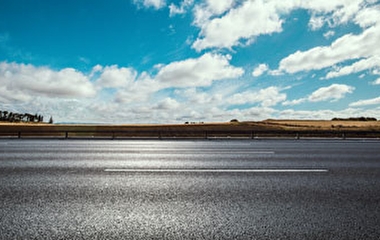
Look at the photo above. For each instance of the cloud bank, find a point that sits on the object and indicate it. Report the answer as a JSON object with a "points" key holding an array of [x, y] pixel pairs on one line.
{"points": [[212, 85]]}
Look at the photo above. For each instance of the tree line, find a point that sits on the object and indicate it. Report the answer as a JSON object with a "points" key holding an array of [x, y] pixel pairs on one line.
{"points": [[355, 119], [6, 116]]}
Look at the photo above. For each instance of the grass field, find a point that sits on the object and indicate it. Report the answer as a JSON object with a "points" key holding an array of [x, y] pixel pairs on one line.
{"points": [[267, 128], [326, 124]]}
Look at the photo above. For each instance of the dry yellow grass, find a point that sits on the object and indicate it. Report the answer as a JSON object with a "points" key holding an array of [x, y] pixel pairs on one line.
{"points": [[325, 124]]}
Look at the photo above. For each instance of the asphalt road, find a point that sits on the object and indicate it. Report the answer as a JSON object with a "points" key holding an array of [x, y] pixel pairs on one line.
{"points": [[254, 189]]}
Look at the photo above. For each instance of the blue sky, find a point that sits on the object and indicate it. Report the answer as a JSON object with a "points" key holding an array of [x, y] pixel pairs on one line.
{"points": [[163, 61]]}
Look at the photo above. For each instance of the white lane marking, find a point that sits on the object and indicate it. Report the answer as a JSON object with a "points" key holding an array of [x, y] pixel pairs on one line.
{"points": [[215, 170]]}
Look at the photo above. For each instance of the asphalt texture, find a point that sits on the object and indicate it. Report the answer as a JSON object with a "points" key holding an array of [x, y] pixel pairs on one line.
{"points": [[76, 189]]}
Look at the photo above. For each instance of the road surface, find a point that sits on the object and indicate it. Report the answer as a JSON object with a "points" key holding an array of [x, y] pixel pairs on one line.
{"points": [[229, 189]]}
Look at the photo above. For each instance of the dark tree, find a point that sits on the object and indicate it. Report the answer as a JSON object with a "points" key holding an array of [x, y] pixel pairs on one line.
{"points": [[5, 115], [19, 117]]}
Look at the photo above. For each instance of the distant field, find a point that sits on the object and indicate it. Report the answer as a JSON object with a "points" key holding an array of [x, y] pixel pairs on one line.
{"points": [[267, 128], [325, 124]]}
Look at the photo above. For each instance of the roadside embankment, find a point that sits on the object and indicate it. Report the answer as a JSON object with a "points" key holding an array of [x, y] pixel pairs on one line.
{"points": [[267, 128]]}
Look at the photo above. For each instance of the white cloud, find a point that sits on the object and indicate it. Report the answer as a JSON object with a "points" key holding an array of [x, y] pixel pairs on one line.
{"points": [[113, 76], [138, 91], [250, 19], [368, 16], [96, 68], [345, 48], [197, 97], [294, 102], [174, 10], [259, 70], [167, 104], [200, 71], [361, 48], [329, 34], [376, 82], [194, 72], [219, 7], [225, 24], [265, 97], [360, 103], [364, 64], [333, 92], [308, 114], [249, 114], [316, 22], [326, 114], [157, 4], [218, 114], [332, 13], [20, 82], [209, 8]]}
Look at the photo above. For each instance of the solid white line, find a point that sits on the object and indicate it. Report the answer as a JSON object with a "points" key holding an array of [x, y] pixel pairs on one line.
{"points": [[215, 170]]}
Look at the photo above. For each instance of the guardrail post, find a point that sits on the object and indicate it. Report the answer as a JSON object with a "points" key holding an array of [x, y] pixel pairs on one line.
{"points": [[159, 135], [343, 136], [67, 135], [252, 135], [206, 135], [297, 136], [19, 134]]}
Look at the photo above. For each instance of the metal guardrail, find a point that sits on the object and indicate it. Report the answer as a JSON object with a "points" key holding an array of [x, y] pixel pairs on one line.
{"points": [[194, 134]]}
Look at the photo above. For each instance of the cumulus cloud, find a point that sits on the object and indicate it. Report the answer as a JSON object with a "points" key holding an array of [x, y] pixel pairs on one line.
{"points": [[361, 65], [113, 76], [200, 71], [108, 88], [134, 97], [225, 24], [181, 9], [332, 13], [259, 70], [138, 91], [250, 19], [326, 113], [193, 95], [366, 102], [360, 48], [193, 72], [316, 22], [157, 4], [345, 48], [265, 97], [368, 16], [20, 82], [219, 7], [294, 102], [329, 34], [167, 104], [333, 92], [376, 82], [209, 8]]}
